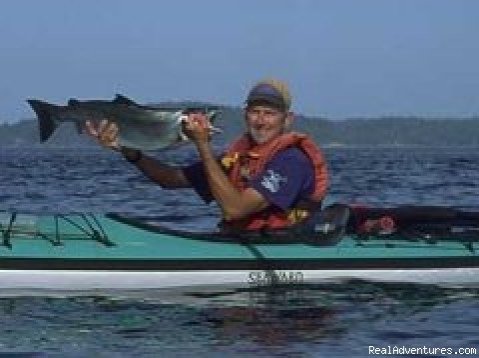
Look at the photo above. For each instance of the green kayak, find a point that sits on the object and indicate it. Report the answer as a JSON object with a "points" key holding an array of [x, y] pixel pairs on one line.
{"points": [[86, 251]]}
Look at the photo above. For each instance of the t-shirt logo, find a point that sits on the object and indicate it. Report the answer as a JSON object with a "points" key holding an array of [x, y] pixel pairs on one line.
{"points": [[272, 181]]}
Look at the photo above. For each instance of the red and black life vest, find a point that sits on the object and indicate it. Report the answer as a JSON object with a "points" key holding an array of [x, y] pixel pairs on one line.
{"points": [[244, 160]]}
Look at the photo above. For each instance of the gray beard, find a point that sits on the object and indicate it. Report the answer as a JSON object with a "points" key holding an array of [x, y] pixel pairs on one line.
{"points": [[256, 138], [259, 140]]}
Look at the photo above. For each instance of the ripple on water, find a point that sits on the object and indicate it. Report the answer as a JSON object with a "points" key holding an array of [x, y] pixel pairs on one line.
{"points": [[337, 319]]}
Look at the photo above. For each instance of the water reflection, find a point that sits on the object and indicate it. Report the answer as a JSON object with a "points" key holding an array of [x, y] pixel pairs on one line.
{"points": [[336, 317]]}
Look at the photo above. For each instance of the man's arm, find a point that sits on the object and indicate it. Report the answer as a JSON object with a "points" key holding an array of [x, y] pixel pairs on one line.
{"points": [[106, 133], [233, 203], [167, 176]]}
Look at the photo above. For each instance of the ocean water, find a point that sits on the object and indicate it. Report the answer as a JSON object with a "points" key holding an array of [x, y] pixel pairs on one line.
{"points": [[336, 319]]}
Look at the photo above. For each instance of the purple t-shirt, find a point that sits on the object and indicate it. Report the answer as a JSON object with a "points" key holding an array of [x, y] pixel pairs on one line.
{"points": [[286, 179]]}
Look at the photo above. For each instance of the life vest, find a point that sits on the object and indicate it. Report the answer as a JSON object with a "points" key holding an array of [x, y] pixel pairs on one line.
{"points": [[244, 160]]}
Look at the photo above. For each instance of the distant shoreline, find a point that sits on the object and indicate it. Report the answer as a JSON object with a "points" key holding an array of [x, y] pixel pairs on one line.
{"points": [[378, 132]]}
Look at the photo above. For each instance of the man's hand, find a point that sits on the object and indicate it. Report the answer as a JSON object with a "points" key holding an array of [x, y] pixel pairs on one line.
{"points": [[106, 133], [197, 128]]}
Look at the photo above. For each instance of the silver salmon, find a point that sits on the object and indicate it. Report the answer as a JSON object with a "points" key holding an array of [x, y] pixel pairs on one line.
{"points": [[140, 126]]}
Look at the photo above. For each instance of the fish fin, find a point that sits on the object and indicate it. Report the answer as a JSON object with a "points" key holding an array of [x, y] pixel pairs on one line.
{"points": [[181, 117], [120, 99], [46, 123], [214, 129], [182, 137]]}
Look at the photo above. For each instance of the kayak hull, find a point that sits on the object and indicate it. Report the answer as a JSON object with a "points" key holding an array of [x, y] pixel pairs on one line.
{"points": [[79, 252], [77, 280]]}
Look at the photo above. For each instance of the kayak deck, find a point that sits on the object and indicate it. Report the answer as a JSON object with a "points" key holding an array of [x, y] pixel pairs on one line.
{"points": [[96, 238]]}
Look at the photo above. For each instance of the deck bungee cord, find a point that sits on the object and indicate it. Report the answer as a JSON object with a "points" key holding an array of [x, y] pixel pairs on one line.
{"points": [[13, 225]]}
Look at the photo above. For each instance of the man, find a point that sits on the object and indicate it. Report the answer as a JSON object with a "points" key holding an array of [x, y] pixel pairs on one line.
{"points": [[268, 179]]}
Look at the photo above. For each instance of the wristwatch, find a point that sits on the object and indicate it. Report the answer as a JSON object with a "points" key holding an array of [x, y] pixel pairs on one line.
{"points": [[132, 155]]}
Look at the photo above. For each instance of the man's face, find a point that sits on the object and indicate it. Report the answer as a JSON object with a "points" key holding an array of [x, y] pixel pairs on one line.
{"points": [[266, 122]]}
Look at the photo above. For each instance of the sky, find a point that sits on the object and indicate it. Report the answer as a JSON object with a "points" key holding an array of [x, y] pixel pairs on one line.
{"points": [[341, 58]]}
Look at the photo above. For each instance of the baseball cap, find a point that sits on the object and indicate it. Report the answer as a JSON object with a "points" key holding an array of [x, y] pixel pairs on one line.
{"points": [[271, 91]]}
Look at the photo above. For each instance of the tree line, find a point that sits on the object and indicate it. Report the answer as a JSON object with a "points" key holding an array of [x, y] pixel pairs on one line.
{"points": [[369, 132]]}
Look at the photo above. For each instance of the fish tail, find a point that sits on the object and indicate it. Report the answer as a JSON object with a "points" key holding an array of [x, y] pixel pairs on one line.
{"points": [[46, 123]]}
